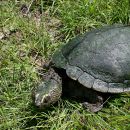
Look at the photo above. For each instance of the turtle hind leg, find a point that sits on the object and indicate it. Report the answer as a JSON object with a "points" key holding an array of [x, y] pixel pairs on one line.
{"points": [[94, 107], [97, 105], [91, 100]]}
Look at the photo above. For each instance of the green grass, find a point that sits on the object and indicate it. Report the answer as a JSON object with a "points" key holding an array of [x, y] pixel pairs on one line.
{"points": [[31, 42]]}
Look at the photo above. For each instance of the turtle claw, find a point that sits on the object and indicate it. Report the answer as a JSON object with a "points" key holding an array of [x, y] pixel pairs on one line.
{"points": [[92, 107], [96, 106]]}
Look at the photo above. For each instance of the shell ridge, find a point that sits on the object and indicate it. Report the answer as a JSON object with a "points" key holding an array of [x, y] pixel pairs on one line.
{"points": [[120, 87]]}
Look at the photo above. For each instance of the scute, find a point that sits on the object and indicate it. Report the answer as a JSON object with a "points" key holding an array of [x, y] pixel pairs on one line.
{"points": [[73, 72], [116, 87], [100, 86], [86, 80], [59, 60]]}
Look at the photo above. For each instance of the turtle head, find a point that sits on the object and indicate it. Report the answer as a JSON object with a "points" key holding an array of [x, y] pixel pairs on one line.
{"points": [[47, 93]]}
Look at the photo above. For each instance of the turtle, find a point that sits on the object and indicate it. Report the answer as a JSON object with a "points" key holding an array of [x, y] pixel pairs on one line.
{"points": [[90, 66]]}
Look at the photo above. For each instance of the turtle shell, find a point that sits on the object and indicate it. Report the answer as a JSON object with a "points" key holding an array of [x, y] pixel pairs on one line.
{"points": [[99, 59]]}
